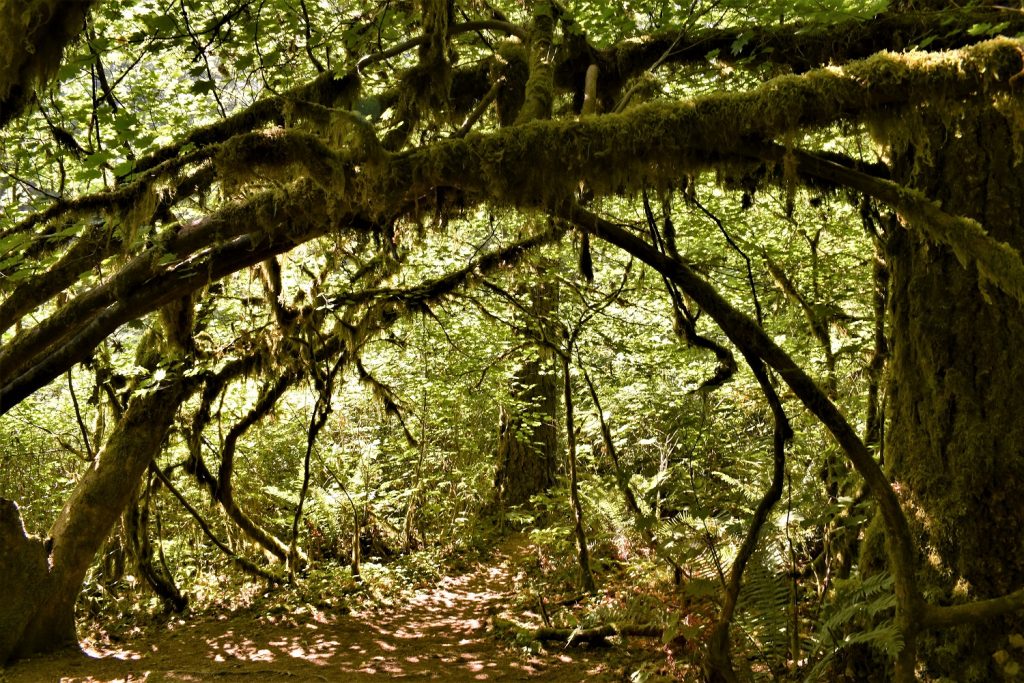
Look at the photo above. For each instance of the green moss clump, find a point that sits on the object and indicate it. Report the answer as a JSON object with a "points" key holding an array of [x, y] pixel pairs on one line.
{"points": [[33, 34], [512, 65], [278, 155]]}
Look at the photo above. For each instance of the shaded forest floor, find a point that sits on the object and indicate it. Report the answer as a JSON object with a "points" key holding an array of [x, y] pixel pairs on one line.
{"points": [[442, 631]]}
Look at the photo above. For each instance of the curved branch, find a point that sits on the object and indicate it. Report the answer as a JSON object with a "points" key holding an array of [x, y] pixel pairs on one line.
{"points": [[758, 316], [148, 296], [684, 322], [245, 564], [269, 213], [754, 343], [719, 658]]}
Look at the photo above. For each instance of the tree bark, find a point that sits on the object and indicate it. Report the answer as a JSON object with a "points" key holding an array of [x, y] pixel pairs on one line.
{"points": [[35, 34], [527, 435], [24, 566], [528, 432], [41, 580], [955, 442]]}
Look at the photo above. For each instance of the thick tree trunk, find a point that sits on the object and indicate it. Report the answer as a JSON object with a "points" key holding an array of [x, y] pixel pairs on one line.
{"points": [[955, 444], [23, 566], [528, 433], [527, 442], [41, 581]]}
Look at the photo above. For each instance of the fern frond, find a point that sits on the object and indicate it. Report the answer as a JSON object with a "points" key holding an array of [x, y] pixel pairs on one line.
{"points": [[859, 614]]}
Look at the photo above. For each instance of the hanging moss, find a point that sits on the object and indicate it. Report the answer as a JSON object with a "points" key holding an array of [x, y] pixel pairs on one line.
{"points": [[136, 218], [541, 163], [33, 34], [1012, 110], [433, 75], [511, 63], [346, 131]]}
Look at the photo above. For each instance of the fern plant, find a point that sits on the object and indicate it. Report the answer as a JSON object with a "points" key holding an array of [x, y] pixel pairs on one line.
{"points": [[860, 614], [763, 629]]}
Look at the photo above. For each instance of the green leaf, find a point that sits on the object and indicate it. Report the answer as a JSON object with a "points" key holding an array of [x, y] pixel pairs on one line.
{"points": [[741, 42], [160, 23], [271, 58], [13, 242], [98, 159], [124, 168]]}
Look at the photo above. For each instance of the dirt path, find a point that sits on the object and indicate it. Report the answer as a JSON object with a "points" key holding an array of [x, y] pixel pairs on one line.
{"points": [[440, 633]]}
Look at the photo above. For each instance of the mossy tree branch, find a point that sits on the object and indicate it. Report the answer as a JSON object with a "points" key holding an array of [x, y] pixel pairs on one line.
{"points": [[690, 133], [530, 165], [541, 162], [540, 86], [800, 46], [33, 35], [935, 616]]}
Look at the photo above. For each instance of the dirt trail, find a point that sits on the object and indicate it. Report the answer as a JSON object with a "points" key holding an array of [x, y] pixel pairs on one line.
{"points": [[440, 633]]}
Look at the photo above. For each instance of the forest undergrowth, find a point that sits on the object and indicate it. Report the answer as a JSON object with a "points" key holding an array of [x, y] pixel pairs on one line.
{"points": [[497, 613]]}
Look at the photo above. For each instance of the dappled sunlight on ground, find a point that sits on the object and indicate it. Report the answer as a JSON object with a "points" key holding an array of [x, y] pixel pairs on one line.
{"points": [[439, 633]]}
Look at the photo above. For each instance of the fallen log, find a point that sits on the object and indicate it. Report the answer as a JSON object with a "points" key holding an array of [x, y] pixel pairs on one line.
{"points": [[597, 635]]}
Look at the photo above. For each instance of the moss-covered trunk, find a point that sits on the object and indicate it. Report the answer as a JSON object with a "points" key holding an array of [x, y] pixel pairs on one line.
{"points": [[41, 581], [528, 432], [955, 444]]}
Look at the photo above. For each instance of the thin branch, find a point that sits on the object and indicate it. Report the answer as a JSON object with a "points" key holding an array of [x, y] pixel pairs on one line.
{"points": [[684, 322], [643, 520], [583, 552], [78, 418], [317, 419], [467, 27], [735, 247], [309, 38], [201, 53], [480, 108]]}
